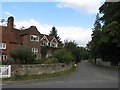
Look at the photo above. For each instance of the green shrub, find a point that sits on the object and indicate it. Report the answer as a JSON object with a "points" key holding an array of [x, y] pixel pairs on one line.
{"points": [[50, 61], [7, 62], [63, 56], [23, 55]]}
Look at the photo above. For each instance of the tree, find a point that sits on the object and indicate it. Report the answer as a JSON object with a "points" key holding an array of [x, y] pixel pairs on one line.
{"points": [[96, 36], [97, 24], [63, 56], [110, 39], [79, 53], [23, 55], [54, 33], [110, 12], [105, 42], [110, 43]]}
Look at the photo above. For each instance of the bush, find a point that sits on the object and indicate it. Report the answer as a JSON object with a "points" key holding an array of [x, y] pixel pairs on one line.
{"points": [[23, 55], [63, 56], [7, 62], [50, 60]]}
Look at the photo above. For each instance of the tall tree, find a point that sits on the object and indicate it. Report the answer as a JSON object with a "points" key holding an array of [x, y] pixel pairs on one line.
{"points": [[97, 24], [110, 40], [96, 36], [54, 33], [106, 41], [110, 11]]}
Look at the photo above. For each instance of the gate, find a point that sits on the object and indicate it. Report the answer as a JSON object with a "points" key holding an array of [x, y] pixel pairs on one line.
{"points": [[5, 71]]}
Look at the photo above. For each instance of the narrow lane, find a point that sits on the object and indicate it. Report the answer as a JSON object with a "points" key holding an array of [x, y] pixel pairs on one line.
{"points": [[86, 76]]}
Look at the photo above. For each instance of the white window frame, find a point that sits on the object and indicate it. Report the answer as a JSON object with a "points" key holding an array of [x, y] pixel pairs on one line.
{"points": [[2, 45], [34, 50], [44, 43], [3, 57], [51, 44], [34, 36]]}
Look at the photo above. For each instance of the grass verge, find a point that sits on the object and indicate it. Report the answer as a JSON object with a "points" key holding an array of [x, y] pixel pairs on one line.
{"points": [[40, 77]]}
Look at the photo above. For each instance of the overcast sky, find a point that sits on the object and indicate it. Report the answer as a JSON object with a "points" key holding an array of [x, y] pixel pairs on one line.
{"points": [[73, 19]]}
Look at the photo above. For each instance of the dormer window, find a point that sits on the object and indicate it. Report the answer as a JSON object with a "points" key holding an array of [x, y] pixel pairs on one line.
{"points": [[53, 44], [34, 38], [2, 45], [44, 43]]}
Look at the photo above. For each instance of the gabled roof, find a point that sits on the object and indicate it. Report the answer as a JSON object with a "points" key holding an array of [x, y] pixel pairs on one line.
{"points": [[45, 38], [50, 38], [54, 40]]}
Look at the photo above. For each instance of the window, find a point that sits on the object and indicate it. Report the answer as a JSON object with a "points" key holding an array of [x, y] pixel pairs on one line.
{"points": [[2, 45], [34, 38], [34, 50], [53, 45], [3, 57], [44, 43]]}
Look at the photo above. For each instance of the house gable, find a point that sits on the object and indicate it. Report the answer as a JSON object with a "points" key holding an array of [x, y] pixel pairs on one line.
{"points": [[44, 38], [44, 41], [53, 43]]}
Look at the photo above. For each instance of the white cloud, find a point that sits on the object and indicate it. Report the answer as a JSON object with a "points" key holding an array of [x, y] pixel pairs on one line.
{"points": [[89, 6], [8, 13], [43, 28], [80, 35]]}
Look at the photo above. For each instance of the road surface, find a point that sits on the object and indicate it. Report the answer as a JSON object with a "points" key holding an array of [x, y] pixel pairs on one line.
{"points": [[86, 76]]}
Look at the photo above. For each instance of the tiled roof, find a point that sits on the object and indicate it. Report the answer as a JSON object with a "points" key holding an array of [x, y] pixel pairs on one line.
{"points": [[15, 34], [48, 37]]}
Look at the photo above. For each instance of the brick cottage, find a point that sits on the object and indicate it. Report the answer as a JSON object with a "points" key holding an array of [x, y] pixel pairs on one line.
{"points": [[11, 38]]}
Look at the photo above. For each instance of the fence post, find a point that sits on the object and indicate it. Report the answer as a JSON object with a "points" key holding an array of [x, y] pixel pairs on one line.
{"points": [[9, 71]]}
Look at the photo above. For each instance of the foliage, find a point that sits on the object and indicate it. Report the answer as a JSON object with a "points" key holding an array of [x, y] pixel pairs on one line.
{"points": [[44, 51], [110, 43], [110, 12], [105, 43], [7, 62], [97, 24], [54, 33], [96, 36], [63, 56], [79, 53], [23, 55], [50, 61]]}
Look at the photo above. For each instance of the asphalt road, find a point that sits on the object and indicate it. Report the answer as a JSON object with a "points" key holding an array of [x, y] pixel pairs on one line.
{"points": [[86, 76]]}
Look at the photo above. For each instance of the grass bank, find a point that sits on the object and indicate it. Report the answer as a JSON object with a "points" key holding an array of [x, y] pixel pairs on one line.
{"points": [[40, 77]]}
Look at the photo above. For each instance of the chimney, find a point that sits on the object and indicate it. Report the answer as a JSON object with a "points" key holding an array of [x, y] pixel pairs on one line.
{"points": [[10, 23]]}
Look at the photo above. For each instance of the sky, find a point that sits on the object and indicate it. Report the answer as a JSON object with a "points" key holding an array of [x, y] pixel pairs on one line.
{"points": [[73, 19]]}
